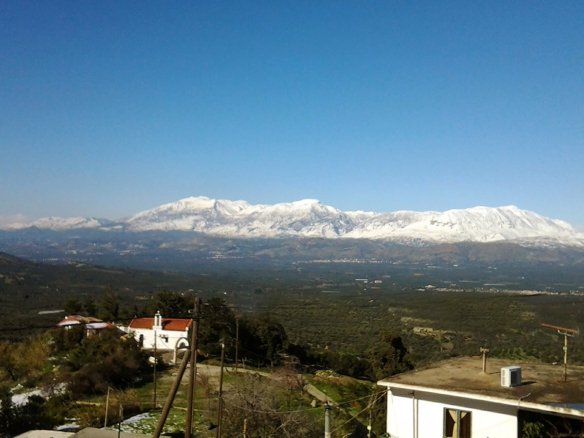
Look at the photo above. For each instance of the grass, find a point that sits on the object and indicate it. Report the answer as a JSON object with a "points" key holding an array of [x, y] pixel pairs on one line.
{"points": [[174, 425], [351, 394], [141, 399]]}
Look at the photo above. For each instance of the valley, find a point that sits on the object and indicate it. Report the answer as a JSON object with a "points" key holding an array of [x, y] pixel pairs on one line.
{"points": [[310, 298], [346, 316]]}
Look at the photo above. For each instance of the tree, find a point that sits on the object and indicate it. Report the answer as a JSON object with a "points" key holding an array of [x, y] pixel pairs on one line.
{"points": [[217, 325], [388, 356], [73, 306], [258, 401], [26, 361], [106, 360], [8, 365], [533, 430], [7, 413], [68, 338], [173, 304], [110, 305], [89, 306], [263, 337]]}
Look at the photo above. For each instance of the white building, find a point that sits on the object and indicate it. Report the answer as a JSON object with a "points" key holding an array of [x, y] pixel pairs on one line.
{"points": [[455, 399], [162, 334]]}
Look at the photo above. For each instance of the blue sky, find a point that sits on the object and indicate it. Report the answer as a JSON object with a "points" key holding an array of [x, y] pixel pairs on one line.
{"points": [[108, 108]]}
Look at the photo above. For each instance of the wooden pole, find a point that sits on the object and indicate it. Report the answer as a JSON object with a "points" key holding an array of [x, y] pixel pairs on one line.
{"points": [[369, 425], [565, 357], [327, 420], [192, 370], [220, 407], [565, 332], [154, 376], [121, 415], [236, 343], [171, 395], [484, 352], [106, 406]]}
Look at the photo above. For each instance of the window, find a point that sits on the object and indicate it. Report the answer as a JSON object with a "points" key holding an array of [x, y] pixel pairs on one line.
{"points": [[456, 423]]}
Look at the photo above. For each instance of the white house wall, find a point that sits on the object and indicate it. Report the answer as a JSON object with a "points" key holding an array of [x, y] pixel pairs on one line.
{"points": [[165, 339], [421, 415], [400, 415]]}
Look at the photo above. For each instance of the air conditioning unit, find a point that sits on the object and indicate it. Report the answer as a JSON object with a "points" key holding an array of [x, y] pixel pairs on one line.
{"points": [[510, 376]]}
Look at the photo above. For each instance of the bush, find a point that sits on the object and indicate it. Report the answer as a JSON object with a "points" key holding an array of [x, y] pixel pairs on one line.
{"points": [[106, 360], [17, 419], [266, 408]]}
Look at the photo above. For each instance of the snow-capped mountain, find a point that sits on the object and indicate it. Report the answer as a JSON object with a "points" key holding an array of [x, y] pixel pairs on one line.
{"points": [[477, 224], [307, 218], [59, 223], [311, 218]]}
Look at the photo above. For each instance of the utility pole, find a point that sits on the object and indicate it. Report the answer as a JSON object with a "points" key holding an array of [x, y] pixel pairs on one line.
{"points": [[369, 426], [171, 395], [236, 342], [565, 332], [193, 368], [327, 420], [154, 376], [121, 415], [106, 406], [220, 407], [484, 351]]}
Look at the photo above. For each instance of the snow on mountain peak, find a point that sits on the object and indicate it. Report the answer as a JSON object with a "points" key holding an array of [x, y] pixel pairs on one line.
{"points": [[311, 218], [59, 223], [306, 203]]}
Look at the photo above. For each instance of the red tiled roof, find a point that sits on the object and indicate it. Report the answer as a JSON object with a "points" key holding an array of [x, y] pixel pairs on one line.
{"points": [[174, 324]]}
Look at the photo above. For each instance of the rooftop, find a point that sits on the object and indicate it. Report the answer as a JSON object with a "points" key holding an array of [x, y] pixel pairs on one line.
{"points": [[174, 324], [541, 383], [77, 320]]}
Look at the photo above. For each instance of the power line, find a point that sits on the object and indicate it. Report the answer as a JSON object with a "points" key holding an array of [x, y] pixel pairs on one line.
{"points": [[235, 405], [354, 417], [243, 408]]}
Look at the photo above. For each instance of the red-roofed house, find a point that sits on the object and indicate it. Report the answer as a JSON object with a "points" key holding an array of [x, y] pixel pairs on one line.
{"points": [[92, 325], [160, 333], [73, 320]]}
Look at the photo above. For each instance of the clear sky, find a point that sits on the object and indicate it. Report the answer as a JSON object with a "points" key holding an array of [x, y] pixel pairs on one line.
{"points": [[112, 107]]}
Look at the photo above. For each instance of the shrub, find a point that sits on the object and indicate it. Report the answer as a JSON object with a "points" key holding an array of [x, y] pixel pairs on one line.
{"points": [[106, 360]]}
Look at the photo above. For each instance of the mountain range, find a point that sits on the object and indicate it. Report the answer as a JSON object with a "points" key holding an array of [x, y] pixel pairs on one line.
{"points": [[311, 219]]}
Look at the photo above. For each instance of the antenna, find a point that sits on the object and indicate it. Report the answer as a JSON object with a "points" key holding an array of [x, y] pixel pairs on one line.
{"points": [[565, 332]]}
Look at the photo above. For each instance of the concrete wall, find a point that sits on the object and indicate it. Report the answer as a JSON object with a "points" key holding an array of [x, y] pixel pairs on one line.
{"points": [[421, 415]]}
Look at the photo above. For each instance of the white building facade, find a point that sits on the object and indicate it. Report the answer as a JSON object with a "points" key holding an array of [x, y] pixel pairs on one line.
{"points": [[414, 412], [161, 334], [454, 399]]}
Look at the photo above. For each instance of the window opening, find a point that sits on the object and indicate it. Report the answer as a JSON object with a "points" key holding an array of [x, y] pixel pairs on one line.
{"points": [[456, 423]]}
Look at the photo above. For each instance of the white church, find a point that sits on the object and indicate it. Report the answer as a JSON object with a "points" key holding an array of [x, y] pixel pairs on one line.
{"points": [[158, 333]]}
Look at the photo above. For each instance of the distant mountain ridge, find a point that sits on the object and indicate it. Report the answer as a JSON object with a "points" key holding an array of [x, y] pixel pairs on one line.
{"points": [[310, 218]]}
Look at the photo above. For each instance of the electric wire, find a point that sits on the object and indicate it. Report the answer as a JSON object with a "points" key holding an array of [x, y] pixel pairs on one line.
{"points": [[354, 417], [336, 404]]}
